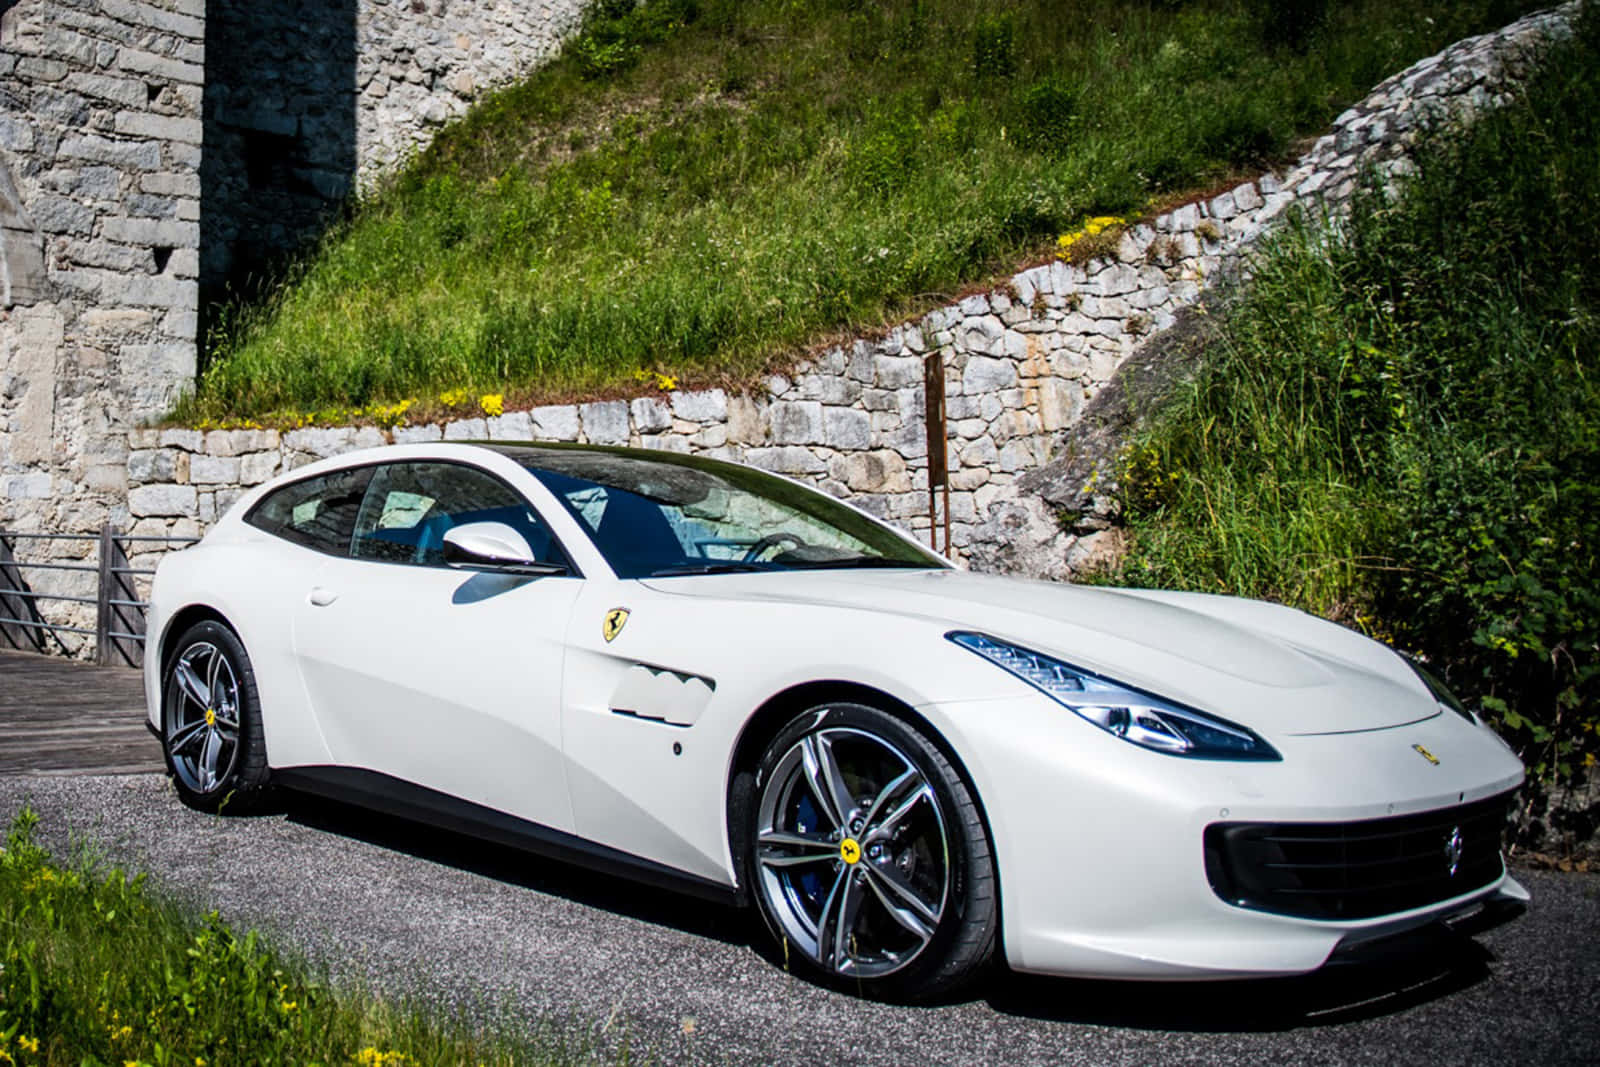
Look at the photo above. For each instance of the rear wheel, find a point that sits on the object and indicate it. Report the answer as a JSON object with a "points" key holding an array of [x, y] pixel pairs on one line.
{"points": [[211, 721], [867, 855]]}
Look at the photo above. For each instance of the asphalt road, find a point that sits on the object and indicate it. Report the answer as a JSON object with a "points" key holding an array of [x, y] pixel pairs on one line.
{"points": [[487, 931]]}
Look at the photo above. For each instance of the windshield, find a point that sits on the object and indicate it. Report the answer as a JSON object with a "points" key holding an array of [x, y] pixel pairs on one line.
{"points": [[658, 515]]}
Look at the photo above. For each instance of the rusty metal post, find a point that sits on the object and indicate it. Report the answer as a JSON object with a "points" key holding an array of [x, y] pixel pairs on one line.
{"points": [[102, 624], [938, 447]]}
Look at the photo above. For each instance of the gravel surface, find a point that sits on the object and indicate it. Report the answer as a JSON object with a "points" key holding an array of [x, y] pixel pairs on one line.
{"points": [[488, 931]]}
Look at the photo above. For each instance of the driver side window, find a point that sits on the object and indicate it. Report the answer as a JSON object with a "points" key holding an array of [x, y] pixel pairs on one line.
{"points": [[410, 506]]}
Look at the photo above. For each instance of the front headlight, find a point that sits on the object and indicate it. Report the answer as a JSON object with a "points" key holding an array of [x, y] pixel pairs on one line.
{"points": [[1134, 716]]}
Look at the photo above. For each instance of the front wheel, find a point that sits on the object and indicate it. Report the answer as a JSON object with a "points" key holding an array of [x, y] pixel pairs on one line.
{"points": [[867, 855], [211, 721]]}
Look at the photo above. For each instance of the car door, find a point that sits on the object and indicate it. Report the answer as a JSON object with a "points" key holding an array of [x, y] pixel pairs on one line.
{"points": [[439, 677]]}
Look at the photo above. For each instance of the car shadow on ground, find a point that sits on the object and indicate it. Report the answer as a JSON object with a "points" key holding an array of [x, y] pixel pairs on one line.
{"points": [[1423, 966], [594, 889]]}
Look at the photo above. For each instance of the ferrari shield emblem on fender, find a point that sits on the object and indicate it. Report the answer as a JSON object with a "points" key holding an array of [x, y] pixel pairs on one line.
{"points": [[1424, 753], [615, 620]]}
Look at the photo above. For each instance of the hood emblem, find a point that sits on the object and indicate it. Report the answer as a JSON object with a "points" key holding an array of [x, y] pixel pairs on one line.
{"points": [[615, 620], [1453, 848], [1424, 753]]}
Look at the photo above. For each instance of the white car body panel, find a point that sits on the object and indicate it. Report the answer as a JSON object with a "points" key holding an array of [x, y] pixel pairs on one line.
{"points": [[505, 692]]}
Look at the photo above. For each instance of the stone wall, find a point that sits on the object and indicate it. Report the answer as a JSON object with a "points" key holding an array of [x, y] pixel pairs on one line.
{"points": [[116, 227], [1021, 361], [99, 200]]}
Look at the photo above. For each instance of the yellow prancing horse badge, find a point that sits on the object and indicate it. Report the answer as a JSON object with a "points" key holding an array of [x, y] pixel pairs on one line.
{"points": [[615, 620], [1425, 754], [850, 850]]}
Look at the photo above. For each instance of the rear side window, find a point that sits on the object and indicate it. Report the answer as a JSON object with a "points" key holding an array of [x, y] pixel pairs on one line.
{"points": [[410, 506], [319, 513]]}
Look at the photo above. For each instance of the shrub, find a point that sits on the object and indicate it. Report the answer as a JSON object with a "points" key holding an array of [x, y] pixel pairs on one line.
{"points": [[1401, 427]]}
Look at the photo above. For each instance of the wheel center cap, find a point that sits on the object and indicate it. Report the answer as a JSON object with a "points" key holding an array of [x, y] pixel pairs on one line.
{"points": [[211, 717], [850, 850]]}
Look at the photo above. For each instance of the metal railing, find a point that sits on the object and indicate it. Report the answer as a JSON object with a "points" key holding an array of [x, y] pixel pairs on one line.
{"points": [[119, 627]]}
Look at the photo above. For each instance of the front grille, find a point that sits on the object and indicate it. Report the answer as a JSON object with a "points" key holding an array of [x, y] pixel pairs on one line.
{"points": [[1357, 870]]}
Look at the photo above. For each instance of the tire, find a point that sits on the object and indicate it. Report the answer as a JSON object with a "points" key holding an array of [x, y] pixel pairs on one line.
{"points": [[211, 722], [906, 874]]}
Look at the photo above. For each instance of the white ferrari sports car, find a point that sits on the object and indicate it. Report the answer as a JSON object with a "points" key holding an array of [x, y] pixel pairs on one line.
{"points": [[720, 681]]}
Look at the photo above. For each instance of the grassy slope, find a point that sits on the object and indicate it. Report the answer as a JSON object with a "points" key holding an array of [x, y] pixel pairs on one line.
{"points": [[698, 185], [97, 968], [1406, 427]]}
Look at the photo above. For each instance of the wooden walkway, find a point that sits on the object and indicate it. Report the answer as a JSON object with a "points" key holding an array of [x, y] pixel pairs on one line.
{"points": [[60, 716]]}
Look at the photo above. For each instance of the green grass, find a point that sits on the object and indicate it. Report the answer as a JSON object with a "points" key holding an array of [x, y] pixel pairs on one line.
{"points": [[703, 187], [1404, 425], [98, 968]]}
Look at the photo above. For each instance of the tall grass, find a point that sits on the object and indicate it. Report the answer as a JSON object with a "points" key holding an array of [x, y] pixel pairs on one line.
{"points": [[1401, 427], [698, 186], [97, 968]]}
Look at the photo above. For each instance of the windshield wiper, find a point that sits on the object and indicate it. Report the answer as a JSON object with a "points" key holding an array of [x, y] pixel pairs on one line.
{"points": [[719, 567]]}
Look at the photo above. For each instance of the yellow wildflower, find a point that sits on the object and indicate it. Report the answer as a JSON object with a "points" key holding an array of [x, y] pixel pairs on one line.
{"points": [[122, 1033], [452, 397], [28, 1044], [492, 403], [371, 1057]]}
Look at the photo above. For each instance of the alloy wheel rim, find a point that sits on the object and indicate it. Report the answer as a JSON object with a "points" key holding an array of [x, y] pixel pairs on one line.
{"points": [[203, 717], [852, 854]]}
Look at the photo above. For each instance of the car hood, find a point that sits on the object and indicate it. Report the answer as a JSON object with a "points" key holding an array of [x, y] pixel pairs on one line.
{"points": [[1261, 664]]}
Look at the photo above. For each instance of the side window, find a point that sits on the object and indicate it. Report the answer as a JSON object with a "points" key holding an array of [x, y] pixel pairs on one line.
{"points": [[318, 513], [410, 506]]}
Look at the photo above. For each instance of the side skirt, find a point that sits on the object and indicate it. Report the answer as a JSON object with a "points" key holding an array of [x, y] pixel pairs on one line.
{"points": [[393, 796]]}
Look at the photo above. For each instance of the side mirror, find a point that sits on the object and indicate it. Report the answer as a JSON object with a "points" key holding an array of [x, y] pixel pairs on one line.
{"points": [[493, 547]]}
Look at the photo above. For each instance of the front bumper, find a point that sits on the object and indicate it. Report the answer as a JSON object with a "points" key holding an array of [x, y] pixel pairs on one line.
{"points": [[1100, 844]]}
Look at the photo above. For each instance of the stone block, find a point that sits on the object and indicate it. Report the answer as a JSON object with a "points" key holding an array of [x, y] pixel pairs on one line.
{"points": [[667, 442], [168, 500], [796, 422], [37, 485], [512, 426], [556, 422], [882, 471], [897, 372], [172, 233], [321, 442], [151, 465], [605, 422], [141, 155], [188, 440], [466, 430], [416, 435], [213, 470], [837, 389], [984, 334], [745, 425], [787, 459], [713, 436], [129, 92], [169, 184], [846, 428], [258, 467], [156, 291], [985, 375], [16, 135], [650, 414], [701, 405], [158, 127], [160, 66]]}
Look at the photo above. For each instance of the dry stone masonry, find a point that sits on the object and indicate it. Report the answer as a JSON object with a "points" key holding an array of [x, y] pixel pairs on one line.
{"points": [[1021, 361]]}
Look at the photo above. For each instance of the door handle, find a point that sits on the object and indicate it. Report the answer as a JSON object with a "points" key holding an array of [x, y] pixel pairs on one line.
{"points": [[322, 597]]}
